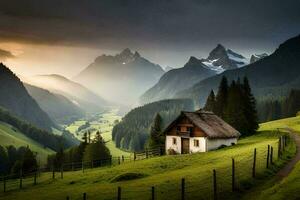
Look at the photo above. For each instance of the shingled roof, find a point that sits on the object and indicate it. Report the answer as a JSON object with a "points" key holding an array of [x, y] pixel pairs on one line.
{"points": [[212, 125]]}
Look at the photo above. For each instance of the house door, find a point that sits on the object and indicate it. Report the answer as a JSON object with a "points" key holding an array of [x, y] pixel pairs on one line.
{"points": [[185, 145]]}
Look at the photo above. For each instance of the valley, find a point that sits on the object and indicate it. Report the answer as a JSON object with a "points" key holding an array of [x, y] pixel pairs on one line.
{"points": [[102, 122]]}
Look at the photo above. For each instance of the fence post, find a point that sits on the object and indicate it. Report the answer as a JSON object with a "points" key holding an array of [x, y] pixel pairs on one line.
{"points": [[282, 141], [161, 151], [34, 180], [152, 193], [268, 156], [82, 166], [182, 188], [21, 181], [84, 196], [4, 184], [233, 175], [215, 184], [110, 160], [72, 166], [119, 160], [254, 164], [271, 156], [62, 172], [285, 141], [279, 148], [68, 198], [53, 173], [134, 156], [119, 193], [92, 164], [123, 158], [146, 152]]}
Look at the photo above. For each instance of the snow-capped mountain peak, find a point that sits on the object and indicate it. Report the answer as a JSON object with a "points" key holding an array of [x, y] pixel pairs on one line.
{"points": [[221, 59]]}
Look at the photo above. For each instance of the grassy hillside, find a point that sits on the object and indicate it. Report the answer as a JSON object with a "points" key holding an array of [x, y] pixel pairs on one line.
{"points": [[164, 173], [292, 122], [11, 136], [289, 187]]}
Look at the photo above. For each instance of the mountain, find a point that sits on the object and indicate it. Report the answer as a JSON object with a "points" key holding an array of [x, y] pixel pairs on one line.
{"points": [[176, 80], [257, 57], [274, 75], [121, 78], [15, 98], [58, 107], [221, 59], [195, 70], [75, 92]]}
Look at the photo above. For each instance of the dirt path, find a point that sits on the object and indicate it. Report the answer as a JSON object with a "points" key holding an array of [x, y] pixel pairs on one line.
{"points": [[286, 170]]}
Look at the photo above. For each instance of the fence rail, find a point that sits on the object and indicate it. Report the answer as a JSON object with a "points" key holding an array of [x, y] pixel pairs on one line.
{"points": [[212, 184]]}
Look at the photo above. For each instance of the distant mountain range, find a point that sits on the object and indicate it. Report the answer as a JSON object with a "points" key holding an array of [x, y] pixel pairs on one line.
{"points": [[15, 98], [195, 70], [121, 78], [273, 75], [59, 108], [79, 95], [257, 57]]}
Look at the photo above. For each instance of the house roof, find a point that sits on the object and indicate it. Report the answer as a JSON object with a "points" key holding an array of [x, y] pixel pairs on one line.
{"points": [[212, 125]]}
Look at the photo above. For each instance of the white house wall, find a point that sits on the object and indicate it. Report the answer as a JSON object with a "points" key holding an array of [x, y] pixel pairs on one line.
{"points": [[216, 143], [202, 144], [177, 147], [169, 144]]}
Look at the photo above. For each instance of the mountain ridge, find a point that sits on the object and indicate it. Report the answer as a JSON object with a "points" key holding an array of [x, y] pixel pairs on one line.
{"points": [[122, 77], [267, 76], [15, 98]]}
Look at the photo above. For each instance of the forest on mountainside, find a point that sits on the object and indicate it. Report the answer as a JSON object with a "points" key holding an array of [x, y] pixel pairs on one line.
{"points": [[276, 108], [132, 132], [43, 137]]}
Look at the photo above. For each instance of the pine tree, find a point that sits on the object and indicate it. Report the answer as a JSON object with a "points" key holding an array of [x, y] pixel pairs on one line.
{"points": [[221, 98], [250, 108], [210, 102], [156, 137]]}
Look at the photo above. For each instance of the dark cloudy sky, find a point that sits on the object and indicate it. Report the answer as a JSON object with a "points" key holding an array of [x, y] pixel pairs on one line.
{"points": [[64, 36]]}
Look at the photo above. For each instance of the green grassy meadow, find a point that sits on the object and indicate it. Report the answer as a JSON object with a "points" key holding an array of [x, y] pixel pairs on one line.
{"points": [[11, 136], [165, 173], [288, 188], [104, 123]]}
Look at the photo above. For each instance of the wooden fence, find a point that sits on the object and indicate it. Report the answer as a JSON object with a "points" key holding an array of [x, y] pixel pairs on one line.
{"points": [[221, 182]]}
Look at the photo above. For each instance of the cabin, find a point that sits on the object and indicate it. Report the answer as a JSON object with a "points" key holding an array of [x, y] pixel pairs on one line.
{"points": [[198, 131]]}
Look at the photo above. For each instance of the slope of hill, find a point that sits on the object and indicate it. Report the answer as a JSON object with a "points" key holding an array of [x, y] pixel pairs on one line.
{"points": [[176, 80], [121, 78], [272, 75], [15, 98], [58, 107], [12, 136], [289, 186], [195, 70], [133, 131], [75, 92], [164, 173]]}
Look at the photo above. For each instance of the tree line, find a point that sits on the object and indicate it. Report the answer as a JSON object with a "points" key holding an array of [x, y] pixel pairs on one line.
{"points": [[235, 104], [43, 137], [133, 132], [17, 160], [88, 150], [272, 109]]}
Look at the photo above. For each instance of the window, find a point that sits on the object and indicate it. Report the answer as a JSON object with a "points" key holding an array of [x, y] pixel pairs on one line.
{"points": [[178, 129], [174, 141], [196, 143], [189, 129]]}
